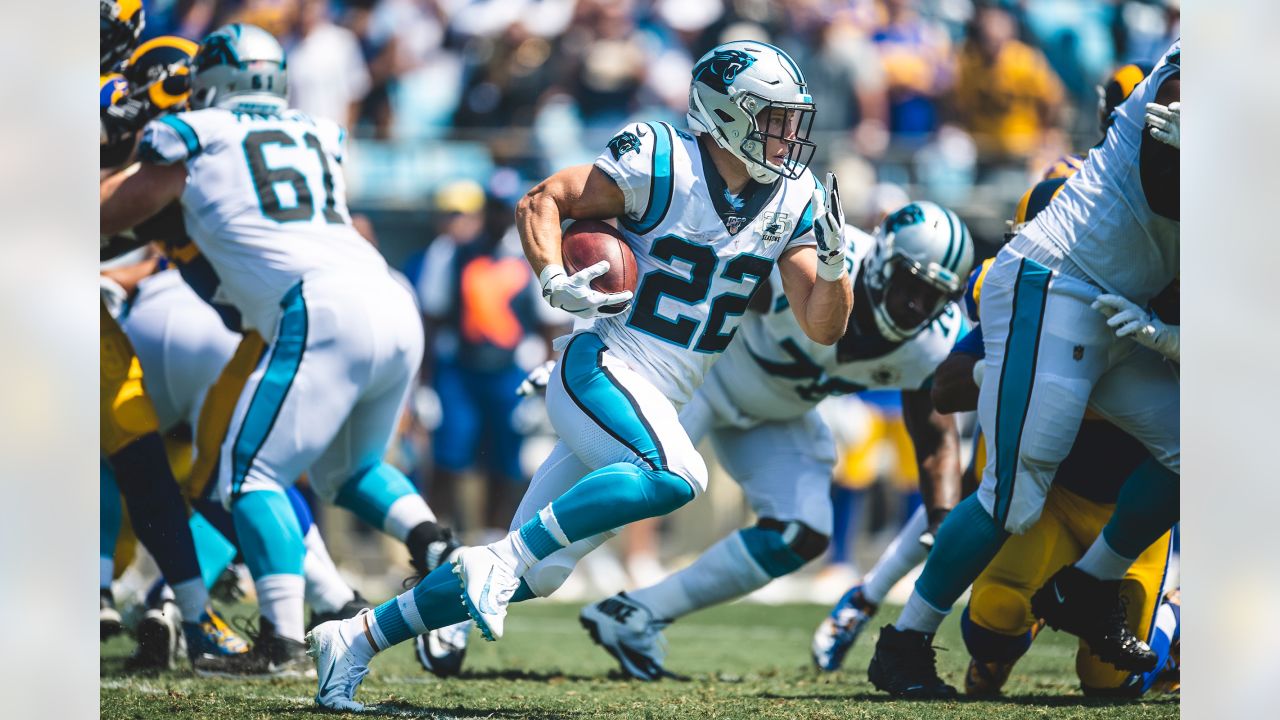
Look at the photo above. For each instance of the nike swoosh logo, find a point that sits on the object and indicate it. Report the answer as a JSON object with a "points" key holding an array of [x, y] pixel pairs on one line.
{"points": [[1058, 594], [324, 679], [485, 606], [640, 132]]}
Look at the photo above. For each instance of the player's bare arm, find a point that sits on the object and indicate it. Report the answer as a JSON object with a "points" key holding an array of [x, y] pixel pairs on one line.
{"points": [[127, 198], [937, 445], [953, 387], [581, 192], [821, 307]]}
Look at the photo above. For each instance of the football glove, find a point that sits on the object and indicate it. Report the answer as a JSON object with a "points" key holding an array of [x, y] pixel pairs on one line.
{"points": [[1166, 123], [536, 382], [828, 229], [574, 294], [1129, 320]]}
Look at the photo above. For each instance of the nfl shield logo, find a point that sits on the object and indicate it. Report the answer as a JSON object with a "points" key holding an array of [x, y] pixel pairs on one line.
{"points": [[733, 223], [773, 226]]}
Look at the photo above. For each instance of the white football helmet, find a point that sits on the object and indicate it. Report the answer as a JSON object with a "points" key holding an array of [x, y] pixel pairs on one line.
{"points": [[240, 67], [733, 85], [922, 257]]}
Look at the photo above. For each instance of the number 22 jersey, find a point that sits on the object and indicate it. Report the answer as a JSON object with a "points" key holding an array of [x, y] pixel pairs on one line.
{"points": [[700, 253], [265, 201]]}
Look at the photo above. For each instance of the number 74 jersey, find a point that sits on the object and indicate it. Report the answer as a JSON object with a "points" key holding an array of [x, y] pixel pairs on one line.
{"points": [[265, 201], [700, 253]]}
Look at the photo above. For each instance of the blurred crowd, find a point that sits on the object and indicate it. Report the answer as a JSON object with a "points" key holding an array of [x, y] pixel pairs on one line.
{"points": [[455, 107], [933, 94]]}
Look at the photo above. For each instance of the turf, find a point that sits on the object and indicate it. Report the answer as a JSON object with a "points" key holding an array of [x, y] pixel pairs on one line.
{"points": [[745, 661]]}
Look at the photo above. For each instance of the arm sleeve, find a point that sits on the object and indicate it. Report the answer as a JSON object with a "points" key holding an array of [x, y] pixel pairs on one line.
{"points": [[639, 160], [168, 140]]}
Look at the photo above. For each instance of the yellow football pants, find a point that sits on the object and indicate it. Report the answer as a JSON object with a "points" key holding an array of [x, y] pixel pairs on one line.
{"points": [[1001, 600], [126, 412]]}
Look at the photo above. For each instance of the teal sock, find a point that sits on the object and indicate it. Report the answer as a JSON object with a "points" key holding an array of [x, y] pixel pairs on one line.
{"points": [[617, 495], [432, 603], [1145, 510], [270, 538], [214, 551], [967, 542], [371, 495]]}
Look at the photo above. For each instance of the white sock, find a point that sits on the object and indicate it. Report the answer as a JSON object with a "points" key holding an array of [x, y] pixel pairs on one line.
{"points": [[405, 514], [352, 632], [106, 568], [326, 590], [192, 598], [280, 601], [1104, 563], [724, 572], [900, 558], [515, 552], [920, 615]]}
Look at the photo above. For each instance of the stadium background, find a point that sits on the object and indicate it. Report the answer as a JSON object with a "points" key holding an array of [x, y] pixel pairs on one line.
{"points": [[959, 101]]}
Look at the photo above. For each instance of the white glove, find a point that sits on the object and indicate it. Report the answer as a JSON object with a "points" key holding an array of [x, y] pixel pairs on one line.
{"points": [[536, 381], [574, 294], [1129, 320], [828, 228], [1166, 123]]}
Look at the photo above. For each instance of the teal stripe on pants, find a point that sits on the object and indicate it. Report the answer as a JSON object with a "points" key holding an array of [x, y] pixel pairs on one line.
{"points": [[1017, 377], [269, 397], [598, 394]]}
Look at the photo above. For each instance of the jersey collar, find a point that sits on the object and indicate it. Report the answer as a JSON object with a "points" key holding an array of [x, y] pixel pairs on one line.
{"points": [[735, 213]]}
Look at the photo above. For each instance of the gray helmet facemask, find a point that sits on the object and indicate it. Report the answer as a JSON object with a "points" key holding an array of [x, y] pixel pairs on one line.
{"points": [[240, 67]]}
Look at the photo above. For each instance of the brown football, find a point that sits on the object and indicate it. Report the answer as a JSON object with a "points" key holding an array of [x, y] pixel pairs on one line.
{"points": [[587, 242]]}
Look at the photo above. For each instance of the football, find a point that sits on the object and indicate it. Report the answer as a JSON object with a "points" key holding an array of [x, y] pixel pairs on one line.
{"points": [[587, 242]]}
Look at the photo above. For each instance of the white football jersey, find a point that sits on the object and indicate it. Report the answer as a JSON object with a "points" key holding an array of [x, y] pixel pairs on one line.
{"points": [[774, 372], [699, 253], [1100, 225], [265, 201]]}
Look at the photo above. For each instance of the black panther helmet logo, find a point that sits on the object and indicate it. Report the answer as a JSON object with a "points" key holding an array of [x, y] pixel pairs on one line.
{"points": [[721, 69]]}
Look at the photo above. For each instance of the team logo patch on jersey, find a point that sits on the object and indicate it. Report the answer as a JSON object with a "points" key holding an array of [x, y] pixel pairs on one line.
{"points": [[722, 69], [624, 142], [773, 227]]}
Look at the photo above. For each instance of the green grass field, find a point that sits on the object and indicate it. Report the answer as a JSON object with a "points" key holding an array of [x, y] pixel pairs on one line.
{"points": [[746, 661]]}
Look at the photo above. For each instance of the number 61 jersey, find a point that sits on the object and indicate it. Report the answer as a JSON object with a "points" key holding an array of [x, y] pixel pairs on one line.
{"points": [[700, 253], [265, 201]]}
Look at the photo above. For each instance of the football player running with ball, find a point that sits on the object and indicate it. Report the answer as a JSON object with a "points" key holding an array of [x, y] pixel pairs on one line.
{"points": [[707, 214], [758, 405], [1050, 355]]}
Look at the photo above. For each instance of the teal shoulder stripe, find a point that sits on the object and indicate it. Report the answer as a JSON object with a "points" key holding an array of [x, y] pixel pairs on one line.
{"points": [[806, 217], [951, 240], [661, 182], [185, 132]]}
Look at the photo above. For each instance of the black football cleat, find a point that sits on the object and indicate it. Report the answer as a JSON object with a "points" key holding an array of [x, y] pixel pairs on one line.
{"points": [[1076, 602], [272, 656], [110, 623], [350, 610], [904, 665]]}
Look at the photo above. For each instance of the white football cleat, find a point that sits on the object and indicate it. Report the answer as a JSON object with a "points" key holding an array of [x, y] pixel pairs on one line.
{"points": [[338, 670], [487, 587], [630, 633]]}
